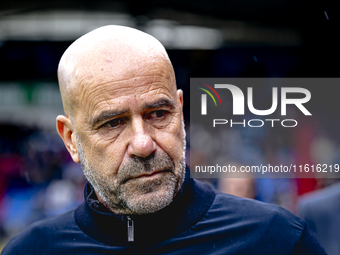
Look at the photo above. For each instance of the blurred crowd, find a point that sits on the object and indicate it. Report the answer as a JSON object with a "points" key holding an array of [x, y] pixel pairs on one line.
{"points": [[38, 179]]}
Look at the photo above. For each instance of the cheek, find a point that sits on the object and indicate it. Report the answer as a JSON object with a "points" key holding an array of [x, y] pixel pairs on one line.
{"points": [[171, 141], [104, 155]]}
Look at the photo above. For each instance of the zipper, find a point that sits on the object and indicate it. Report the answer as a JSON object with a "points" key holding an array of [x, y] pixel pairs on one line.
{"points": [[130, 229]]}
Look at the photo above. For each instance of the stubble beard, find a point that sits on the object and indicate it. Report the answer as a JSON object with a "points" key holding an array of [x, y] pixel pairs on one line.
{"points": [[125, 194]]}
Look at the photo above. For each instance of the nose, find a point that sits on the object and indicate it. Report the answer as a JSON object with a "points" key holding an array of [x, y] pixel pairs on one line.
{"points": [[141, 143]]}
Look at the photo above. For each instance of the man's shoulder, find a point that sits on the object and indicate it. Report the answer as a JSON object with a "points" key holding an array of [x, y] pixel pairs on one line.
{"points": [[238, 225], [41, 234], [52, 224], [239, 209], [233, 208], [252, 216]]}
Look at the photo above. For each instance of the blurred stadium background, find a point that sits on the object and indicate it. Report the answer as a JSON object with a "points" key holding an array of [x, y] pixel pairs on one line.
{"points": [[204, 39]]}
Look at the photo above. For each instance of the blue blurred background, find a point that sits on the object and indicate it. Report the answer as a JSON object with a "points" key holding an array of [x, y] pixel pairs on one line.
{"points": [[204, 38]]}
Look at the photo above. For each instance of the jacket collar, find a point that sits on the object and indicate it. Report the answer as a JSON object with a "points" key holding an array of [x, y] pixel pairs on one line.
{"points": [[187, 208]]}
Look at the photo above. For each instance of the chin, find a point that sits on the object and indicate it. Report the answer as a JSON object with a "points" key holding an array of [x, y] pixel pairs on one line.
{"points": [[152, 201]]}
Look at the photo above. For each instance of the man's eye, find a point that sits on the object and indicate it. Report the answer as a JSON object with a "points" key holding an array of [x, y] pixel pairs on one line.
{"points": [[114, 123], [157, 114]]}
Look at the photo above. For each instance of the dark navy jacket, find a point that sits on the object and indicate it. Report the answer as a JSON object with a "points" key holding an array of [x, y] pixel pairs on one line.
{"points": [[198, 221]]}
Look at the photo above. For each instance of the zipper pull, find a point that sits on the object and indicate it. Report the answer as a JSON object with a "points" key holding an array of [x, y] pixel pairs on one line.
{"points": [[130, 229]]}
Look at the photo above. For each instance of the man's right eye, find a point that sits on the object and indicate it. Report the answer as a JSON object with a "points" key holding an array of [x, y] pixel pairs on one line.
{"points": [[114, 123]]}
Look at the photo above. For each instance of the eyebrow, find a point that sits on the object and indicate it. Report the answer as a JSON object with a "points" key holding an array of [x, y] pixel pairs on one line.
{"points": [[106, 115], [160, 103]]}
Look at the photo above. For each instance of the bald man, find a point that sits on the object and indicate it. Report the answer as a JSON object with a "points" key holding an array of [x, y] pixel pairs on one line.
{"points": [[123, 118], [124, 124]]}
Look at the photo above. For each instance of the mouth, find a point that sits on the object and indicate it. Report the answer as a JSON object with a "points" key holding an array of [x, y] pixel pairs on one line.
{"points": [[152, 175]]}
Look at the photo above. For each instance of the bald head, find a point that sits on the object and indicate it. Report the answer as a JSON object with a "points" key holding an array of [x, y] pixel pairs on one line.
{"points": [[106, 54]]}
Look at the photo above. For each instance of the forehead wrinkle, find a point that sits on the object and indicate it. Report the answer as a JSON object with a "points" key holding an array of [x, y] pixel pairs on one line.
{"points": [[106, 109], [121, 86], [161, 71]]}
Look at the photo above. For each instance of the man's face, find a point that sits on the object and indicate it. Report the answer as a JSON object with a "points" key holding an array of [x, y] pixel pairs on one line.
{"points": [[130, 137]]}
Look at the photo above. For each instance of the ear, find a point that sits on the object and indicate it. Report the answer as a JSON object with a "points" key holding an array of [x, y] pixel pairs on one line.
{"points": [[65, 130], [180, 97]]}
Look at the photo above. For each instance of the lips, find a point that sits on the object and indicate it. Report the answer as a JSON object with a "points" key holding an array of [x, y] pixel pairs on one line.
{"points": [[151, 174], [147, 175]]}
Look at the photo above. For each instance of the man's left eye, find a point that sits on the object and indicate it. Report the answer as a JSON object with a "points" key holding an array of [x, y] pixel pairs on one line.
{"points": [[157, 114]]}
